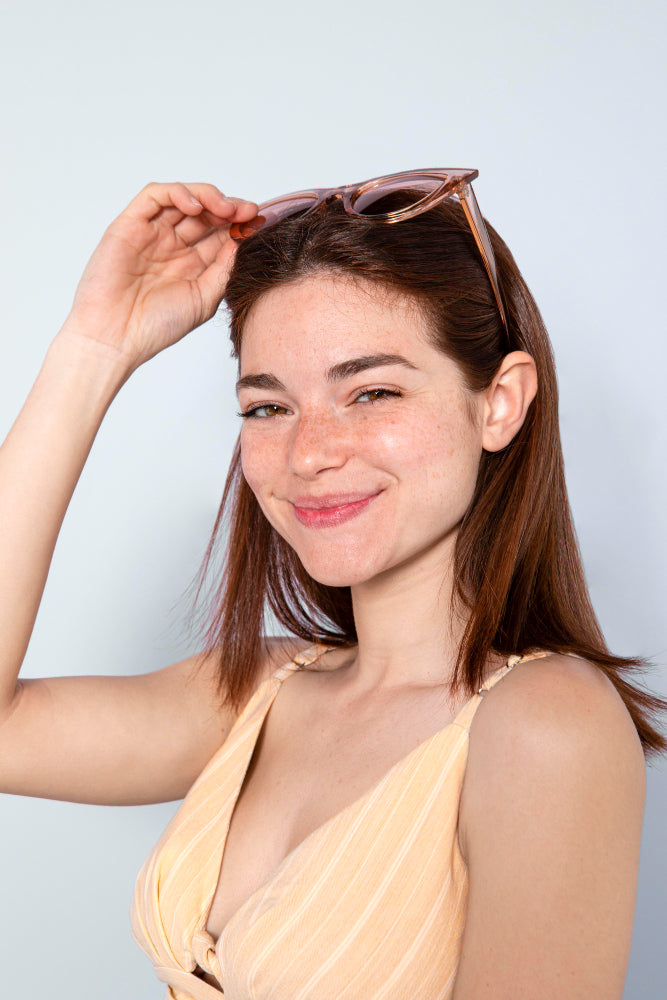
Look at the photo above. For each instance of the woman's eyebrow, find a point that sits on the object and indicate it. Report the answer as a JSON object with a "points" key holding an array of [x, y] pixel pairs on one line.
{"points": [[345, 369], [263, 381], [337, 373]]}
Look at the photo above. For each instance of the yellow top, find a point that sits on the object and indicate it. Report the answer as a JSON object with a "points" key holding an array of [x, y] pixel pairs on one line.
{"points": [[371, 905]]}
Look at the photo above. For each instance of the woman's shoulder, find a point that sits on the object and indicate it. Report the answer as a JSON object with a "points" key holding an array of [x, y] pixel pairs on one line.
{"points": [[553, 726], [556, 699]]}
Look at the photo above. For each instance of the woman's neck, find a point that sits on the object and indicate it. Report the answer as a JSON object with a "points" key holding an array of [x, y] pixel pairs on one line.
{"points": [[407, 632]]}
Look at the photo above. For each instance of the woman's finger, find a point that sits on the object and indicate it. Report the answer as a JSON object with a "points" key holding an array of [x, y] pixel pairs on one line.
{"points": [[192, 228], [212, 198], [210, 245], [190, 199], [245, 210], [220, 206], [190, 209], [155, 198], [218, 259], [172, 217]]}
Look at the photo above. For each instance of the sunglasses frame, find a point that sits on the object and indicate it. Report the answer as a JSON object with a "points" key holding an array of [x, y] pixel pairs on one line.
{"points": [[454, 181]]}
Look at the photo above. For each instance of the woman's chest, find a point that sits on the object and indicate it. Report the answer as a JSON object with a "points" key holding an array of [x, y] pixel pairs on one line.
{"points": [[307, 768]]}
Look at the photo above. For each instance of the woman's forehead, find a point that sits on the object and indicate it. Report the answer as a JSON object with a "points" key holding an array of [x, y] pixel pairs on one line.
{"points": [[324, 315]]}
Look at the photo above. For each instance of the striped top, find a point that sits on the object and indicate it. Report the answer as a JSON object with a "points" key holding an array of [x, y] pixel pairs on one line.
{"points": [[372, 904]]}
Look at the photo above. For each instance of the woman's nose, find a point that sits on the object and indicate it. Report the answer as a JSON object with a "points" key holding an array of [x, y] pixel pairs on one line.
{"points": [[318, 443]]}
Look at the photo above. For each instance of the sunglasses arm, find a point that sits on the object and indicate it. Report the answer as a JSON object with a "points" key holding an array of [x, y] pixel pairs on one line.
{"points": [[476, 222]]}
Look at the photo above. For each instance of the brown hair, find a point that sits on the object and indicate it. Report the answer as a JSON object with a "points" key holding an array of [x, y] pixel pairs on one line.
{"points": [[518, 571]]}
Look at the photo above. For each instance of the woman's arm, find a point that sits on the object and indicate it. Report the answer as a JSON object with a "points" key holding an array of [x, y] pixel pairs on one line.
{"points": [[551, 815], [159, 271]]}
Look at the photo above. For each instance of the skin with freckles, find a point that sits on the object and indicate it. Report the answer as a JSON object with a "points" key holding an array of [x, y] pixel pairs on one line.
{"points": [[397, 434]]}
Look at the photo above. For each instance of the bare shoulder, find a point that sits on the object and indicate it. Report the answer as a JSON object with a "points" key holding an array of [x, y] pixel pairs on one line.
{"points": [[550, 827], [560, 706], [559, 718], [203, 672]]}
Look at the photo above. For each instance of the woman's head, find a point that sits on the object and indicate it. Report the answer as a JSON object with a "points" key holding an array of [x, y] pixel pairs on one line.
{"points": [[425, 275], [518, 579]]}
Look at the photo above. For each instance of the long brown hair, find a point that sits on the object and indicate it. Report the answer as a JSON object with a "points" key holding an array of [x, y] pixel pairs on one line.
{"points": [[518, 571]]}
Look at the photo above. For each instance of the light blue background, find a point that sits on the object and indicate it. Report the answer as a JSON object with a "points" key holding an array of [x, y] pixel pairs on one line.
{"points": [[557, 105]]}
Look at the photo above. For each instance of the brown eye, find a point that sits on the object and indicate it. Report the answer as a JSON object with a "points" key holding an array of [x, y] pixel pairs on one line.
{"points": [[264, 411], [377, 395]]}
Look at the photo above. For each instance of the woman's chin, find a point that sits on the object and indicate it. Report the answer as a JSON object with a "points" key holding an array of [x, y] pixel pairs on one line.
{"points": [[340, 573]]}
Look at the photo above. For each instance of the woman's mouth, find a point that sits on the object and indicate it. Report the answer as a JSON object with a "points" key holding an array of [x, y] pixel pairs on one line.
{"points": [[330, 511]]}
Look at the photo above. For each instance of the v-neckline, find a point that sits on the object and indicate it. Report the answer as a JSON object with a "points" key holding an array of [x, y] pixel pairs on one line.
{"points": [[319, 830]]}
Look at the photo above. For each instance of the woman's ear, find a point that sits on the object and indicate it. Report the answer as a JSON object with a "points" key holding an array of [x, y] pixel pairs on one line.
{"points": [[507, 400]]}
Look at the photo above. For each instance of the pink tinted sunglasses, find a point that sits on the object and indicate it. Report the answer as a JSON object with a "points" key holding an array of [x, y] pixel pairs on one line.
{"points": [[431, 185]]}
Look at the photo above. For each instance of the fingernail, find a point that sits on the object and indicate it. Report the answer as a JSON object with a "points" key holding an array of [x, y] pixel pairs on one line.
{"points": [[195, 201], [252, 227]]}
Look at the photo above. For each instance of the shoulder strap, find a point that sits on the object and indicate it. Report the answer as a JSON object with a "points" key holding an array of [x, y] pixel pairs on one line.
{"points": [[501, 672], [302, 659]]}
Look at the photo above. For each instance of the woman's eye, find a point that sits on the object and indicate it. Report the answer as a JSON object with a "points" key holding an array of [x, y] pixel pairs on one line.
{"points": [[376, 395], [263, 411]]}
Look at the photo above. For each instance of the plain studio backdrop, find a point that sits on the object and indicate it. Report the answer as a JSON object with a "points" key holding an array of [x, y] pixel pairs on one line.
{"points": [[557, 106]]}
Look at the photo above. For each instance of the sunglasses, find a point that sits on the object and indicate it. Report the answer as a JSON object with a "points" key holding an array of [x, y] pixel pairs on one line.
{"points": [[429, 186]]}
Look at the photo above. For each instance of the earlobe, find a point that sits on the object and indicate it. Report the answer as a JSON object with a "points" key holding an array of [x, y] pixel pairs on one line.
{"points": [[507, 400]]}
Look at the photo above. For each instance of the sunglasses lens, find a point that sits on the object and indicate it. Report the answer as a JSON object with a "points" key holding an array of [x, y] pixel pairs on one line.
{"points": [[283, 208], [274, 211], [394, 194]]}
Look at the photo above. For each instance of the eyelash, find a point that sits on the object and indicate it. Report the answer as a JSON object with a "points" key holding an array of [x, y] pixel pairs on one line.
{"points": [[387, 394]]}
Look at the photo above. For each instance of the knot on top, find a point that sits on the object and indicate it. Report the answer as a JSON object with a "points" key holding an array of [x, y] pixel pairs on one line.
{"points": [[205, 955]]}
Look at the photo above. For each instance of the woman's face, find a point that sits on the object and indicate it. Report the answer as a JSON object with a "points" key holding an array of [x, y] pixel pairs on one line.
{"points": [[360, 440]]}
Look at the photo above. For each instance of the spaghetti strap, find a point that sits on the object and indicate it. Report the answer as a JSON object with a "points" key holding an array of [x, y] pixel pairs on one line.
{"points": [[501, 672], [300, 660]]}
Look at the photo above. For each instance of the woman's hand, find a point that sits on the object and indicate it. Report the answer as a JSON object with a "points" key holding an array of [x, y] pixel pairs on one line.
{"points": [[159, 271]]}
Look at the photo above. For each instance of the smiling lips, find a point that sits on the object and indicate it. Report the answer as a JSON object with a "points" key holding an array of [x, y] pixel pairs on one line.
{"points": [[327, 512]]}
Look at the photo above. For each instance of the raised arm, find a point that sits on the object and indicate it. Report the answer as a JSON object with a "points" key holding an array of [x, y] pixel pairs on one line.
{"points": [[159, 272]]}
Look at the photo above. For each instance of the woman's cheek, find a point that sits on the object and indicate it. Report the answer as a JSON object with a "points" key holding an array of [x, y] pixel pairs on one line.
{"points": [[396, 439], [258, 467], [409, 444], [251, 463]]}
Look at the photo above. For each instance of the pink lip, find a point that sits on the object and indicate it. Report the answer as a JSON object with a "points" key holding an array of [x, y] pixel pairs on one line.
{"points": [[329, 511]]}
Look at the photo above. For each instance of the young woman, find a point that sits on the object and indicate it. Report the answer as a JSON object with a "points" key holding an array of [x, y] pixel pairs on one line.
{"points": [[435, 787]]}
